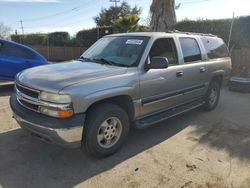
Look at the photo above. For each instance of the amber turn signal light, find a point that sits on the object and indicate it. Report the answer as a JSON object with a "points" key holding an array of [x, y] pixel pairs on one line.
{"points": [[65, 114]]}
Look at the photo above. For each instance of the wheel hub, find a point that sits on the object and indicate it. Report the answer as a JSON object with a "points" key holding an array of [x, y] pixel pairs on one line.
{"points": [[109, 132]]}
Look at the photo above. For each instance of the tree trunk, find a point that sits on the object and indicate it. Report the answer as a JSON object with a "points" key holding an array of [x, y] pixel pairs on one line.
{"points": [[163, 15]]}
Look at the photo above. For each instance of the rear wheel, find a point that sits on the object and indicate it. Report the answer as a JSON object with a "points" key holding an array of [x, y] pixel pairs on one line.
{"points": [[106, 129], [212, 97]]}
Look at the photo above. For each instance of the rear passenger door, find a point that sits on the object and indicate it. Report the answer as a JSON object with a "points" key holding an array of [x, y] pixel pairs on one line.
{"points": [[193, 68]]}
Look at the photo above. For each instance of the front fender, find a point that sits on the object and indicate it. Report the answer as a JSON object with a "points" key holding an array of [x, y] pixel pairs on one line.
{"points": [[92, 98]]}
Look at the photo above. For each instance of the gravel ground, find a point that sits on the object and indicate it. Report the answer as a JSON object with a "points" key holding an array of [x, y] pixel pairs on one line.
{"points": [[197, 149]]}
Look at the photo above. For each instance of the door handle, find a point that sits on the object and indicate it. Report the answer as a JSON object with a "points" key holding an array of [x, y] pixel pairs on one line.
{"points": [[179, 73], [202, 69]]}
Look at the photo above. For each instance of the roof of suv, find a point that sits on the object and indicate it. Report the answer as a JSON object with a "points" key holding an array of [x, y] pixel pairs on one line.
{"points": [[155, 34]]}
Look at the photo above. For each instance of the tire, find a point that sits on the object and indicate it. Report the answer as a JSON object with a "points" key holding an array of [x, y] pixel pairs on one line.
{"points": [[212, 96], [106, 129]]}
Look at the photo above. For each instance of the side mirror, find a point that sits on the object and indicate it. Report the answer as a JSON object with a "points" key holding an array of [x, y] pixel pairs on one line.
{"points": [[157, 63]]}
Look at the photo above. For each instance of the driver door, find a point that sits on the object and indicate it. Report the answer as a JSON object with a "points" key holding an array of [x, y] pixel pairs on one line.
{"points": [[160, 87]]}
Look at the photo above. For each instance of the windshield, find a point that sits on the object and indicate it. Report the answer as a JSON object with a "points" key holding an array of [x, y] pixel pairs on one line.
{"points": [[123, 51]]}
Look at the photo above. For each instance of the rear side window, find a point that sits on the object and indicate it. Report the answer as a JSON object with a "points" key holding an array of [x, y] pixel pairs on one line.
{"points": [[16, 51], [190, 49], [215, 47]]}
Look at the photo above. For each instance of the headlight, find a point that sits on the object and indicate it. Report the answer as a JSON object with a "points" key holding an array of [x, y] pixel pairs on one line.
{"points": [[55, 98], [55, 110]]}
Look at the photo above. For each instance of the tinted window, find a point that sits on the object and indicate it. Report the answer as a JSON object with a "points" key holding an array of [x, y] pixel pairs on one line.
{"points": [[215, 47], [16, 51], [165, 48], [190, 49]]}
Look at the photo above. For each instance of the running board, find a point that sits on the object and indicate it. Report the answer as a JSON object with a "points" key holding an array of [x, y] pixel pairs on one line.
{"points": [[162, 116]]}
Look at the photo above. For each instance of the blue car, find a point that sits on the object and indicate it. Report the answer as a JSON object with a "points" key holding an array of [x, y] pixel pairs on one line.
{"points": [[15, 57]]}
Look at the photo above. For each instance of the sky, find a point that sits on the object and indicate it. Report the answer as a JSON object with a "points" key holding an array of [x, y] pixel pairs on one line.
{"points": [[43, 16]]}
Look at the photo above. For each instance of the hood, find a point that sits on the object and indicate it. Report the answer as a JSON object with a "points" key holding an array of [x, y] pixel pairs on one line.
{"points": [[55, 77]]}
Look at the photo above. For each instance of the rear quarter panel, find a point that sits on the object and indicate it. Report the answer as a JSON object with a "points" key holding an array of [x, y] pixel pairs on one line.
{"points": [[221, 66]]}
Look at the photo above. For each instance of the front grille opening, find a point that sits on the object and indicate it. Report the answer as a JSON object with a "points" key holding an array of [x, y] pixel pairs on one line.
{"points": [[32, 93], [29, 105], [28, 92]]}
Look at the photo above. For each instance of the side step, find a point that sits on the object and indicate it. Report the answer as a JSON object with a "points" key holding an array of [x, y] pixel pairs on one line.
{"points": [[162, 116]]}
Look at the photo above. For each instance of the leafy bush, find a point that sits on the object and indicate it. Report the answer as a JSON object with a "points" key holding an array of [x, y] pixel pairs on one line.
{"points": [[86, 38], [58, 38], [51, 39], [31, 39]]}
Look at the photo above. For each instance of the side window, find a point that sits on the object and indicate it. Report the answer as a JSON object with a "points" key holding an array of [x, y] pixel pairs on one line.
{"points": [[16, 51], [215, 47], [165, 47], [190, 49]]}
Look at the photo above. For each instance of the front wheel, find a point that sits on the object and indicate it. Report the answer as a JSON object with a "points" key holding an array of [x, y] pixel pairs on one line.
{"points": [[212, 97], [106, 129]]}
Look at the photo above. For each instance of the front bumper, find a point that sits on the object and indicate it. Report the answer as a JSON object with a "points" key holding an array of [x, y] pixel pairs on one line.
{"points": [[63, 132]]}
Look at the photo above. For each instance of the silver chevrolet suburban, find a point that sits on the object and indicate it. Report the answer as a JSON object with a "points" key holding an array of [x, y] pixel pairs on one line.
{"points": [[121, 81]]}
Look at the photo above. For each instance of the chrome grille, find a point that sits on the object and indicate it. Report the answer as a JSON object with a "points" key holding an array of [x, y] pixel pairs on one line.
{"points": [[26, 96], [28, 91], [29, 105], [29, 98]]}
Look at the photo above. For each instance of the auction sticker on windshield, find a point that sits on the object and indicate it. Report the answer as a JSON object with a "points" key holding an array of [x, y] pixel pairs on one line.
{"points": [[134, 41]]}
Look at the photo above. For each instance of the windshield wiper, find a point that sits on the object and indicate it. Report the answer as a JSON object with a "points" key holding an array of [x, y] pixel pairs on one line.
{"points": [[105, 61], [109, 62], [85, 59], [95, 60], [101, 61]]}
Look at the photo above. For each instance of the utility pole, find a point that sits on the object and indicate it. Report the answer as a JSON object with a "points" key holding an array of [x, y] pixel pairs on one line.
{"points": [[115, 1], [230, 33], [21, 22]]}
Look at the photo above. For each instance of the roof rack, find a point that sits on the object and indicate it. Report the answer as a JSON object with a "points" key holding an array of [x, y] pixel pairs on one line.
{"points": [[191, 33]]}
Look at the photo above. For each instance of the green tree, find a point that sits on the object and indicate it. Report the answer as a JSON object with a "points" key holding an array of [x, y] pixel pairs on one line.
{"points": [[126, 24], [106, 16]]}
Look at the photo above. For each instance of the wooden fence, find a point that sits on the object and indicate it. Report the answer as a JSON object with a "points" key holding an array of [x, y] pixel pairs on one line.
{"points": [[241, 62], [55, 53]]}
